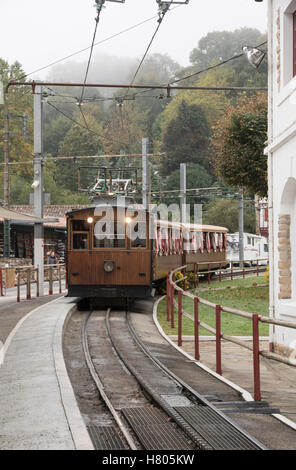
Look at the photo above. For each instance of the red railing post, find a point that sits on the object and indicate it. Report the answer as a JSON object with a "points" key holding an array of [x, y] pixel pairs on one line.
{"points": [[168, 298], [18, 298], [195, 275], [29, 284], [184, 275], [180, 293], [172, 298], [60, 279], [256, 357], [1, 281], [66, 277], [196, 329], [50, 274], [218, 340]]}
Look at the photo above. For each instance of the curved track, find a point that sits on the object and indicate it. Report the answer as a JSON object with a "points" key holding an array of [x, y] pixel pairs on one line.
{"points": [[153, 409]]}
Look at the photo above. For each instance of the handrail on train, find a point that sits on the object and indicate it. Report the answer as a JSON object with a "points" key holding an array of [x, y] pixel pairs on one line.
{"points": [[172, 286]]}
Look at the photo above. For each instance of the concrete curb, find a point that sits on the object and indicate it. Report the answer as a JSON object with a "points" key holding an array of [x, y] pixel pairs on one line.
{"points": [[76, 423], [245, 394]]}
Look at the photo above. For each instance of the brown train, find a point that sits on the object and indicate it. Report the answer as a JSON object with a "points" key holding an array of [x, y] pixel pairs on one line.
{"points": [[118, 252]]}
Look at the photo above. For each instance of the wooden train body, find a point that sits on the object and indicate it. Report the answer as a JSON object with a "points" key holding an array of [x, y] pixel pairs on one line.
{"points": [[116, 252]]}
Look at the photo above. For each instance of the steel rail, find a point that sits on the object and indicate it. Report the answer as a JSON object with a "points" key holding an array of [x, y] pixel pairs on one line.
{"points": [[100, 385], [169, 410], [187, 387]]}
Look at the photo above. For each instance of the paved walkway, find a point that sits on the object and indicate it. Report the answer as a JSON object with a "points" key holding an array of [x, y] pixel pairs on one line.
{"points": [[38, 409], [277, 380]]}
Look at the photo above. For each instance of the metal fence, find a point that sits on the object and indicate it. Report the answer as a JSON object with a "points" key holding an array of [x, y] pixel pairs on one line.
{"points": [[28, 275], [229, 270], [172, 303]]}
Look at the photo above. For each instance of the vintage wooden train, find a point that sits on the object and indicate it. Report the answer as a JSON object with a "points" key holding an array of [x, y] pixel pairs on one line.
{"points": [[121, 252]]}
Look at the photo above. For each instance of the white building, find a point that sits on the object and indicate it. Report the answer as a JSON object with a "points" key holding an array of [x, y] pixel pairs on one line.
{"points": [[255, 249], [281, 152]]}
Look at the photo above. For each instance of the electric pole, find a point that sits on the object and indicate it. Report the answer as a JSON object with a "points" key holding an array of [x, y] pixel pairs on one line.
{"points": [[241, 227], [145, 174], [183, 192], [6, 151], [38, 188]]}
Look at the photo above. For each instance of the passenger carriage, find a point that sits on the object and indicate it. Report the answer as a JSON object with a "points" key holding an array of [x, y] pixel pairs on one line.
{"points": [[116, 252]]}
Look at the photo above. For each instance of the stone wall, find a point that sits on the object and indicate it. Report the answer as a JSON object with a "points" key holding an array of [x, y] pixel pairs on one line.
{"points": [[284, 249]]}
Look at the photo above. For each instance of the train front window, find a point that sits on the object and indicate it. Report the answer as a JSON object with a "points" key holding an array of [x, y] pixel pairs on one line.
{"points": [[139, 236], [109, 232], [80, 241], [80, 234]]}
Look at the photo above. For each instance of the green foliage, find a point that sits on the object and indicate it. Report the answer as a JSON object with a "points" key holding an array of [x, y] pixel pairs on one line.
{"points": [[224, 212], [222, 45], [54, 133], [238, 143], [185, 137], [77, 142]]}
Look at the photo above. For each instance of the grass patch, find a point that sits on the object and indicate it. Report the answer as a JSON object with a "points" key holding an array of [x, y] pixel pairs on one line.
{"points": [[253, 300], [243, 282]]}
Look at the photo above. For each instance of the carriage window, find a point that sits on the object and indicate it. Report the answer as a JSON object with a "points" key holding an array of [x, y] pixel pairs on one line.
{"points": [[103, 239], [80, 241]]}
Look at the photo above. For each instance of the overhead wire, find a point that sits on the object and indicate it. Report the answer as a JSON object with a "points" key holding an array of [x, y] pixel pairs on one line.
{"points": [[87, 48], [97, 19], [87, 128], [207, 69], [161, 15]]}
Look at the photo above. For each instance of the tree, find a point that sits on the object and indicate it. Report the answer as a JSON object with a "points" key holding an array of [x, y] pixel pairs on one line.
{"points": [[185, 137], [20, 103], [79, 141], [238, 145], [224, 213]]}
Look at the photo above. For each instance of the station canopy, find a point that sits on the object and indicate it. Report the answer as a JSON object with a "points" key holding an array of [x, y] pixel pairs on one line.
{"points": [[17, 217]]}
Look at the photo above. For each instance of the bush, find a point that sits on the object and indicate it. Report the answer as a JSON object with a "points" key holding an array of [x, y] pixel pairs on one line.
{"points": [[266, 275]]}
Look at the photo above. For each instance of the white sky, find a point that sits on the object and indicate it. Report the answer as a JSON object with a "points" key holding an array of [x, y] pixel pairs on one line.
{"points": [[38, 32]]}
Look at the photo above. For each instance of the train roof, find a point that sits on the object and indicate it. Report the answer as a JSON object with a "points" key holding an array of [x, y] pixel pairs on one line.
{"points": [[193, 227], [160, 223]]}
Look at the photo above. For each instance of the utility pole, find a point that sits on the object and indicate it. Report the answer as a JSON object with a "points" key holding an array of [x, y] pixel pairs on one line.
{"points": [[6, 151], [145, 174], [38, 188], [183, 192], [241, 227]]}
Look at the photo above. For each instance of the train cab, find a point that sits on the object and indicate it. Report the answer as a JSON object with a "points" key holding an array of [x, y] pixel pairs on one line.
{"points": [[109, 252]]}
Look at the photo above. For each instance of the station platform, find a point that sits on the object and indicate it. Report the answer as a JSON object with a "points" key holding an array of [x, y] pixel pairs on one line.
{"points": [[38, 409]]}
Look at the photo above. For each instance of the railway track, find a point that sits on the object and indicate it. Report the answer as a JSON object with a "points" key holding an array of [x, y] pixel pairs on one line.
{"points": [[151, 408]]}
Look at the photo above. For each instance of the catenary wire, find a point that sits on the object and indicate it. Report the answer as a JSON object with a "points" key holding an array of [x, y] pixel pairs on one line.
{"points": [[84, 127], [126, 30]]}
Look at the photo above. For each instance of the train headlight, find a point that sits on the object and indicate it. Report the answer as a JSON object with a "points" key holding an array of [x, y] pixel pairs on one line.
{"points": [[128, 220], [90, 220], [108, 266]]}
